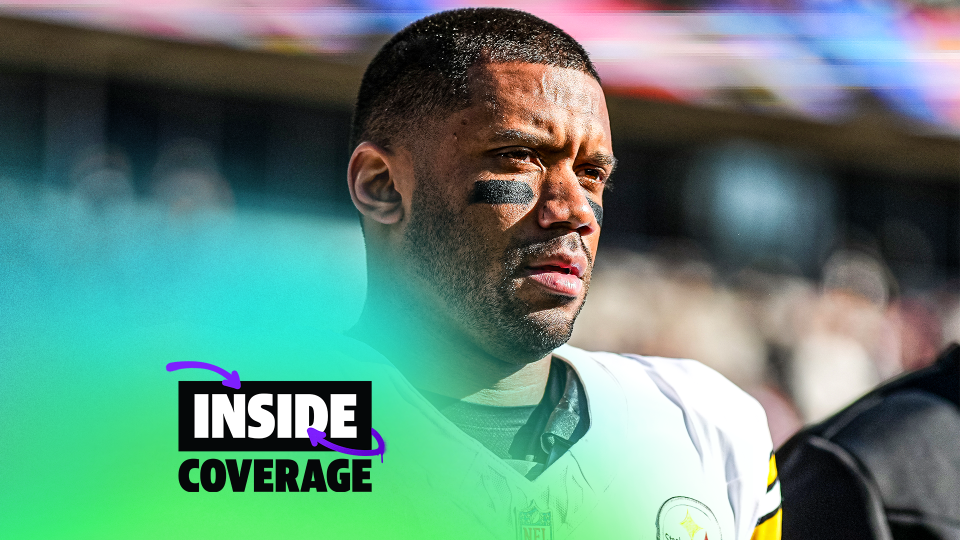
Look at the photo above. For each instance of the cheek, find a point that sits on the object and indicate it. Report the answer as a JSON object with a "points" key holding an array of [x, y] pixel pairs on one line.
{"points": [[511, 215], [491, 223]]}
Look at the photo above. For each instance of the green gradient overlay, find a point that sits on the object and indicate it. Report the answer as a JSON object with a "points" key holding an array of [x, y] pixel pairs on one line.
{"points": [[96, 301], [90, 446]]}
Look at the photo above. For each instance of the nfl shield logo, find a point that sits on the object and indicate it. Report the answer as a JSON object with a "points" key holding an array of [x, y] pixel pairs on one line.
{"points": [[534, 524]]}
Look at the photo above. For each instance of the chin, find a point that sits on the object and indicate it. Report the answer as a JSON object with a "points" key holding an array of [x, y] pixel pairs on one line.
{"points": [[533, 336]]}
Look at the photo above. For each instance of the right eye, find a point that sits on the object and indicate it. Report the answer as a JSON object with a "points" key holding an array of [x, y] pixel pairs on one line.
{"points": [[518, 154]]}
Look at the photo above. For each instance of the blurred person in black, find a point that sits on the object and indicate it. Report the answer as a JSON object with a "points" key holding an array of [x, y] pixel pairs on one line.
{"points": [[885, 468]]}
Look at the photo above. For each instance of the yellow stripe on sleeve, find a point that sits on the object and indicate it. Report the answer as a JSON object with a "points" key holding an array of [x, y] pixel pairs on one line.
{"points": [[769, 529], [772, 475]]}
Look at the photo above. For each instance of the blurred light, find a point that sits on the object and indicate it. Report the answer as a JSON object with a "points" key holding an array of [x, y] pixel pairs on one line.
{"points": [[812, 58], [756, 203]]}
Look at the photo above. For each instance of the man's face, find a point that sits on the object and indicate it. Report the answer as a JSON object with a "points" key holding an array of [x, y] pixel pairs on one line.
{"points": [[511, 275]]}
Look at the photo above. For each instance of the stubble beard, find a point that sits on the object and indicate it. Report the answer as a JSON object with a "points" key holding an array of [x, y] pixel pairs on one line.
{"points": [[446, 255]]}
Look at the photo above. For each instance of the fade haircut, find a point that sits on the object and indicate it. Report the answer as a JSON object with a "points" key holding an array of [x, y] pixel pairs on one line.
{"points": [[422, 71]]}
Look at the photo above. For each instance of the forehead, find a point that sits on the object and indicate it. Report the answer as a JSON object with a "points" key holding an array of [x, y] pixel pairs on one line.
{"points": [[565, 104]]}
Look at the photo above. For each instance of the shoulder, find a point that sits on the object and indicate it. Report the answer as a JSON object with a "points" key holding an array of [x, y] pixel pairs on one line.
{"points": [[727, 426], [696, 389], [723, 421], [891, 422]]}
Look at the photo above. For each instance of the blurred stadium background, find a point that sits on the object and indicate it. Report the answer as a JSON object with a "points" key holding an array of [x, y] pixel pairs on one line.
{"points": [[786, 207]]}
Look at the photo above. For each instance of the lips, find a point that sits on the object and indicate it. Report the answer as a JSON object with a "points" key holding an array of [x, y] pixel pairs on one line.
{"points": [[559, 274]]}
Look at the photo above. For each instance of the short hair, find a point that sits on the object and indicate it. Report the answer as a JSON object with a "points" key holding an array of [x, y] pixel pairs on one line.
{"points": [[422, 70]]}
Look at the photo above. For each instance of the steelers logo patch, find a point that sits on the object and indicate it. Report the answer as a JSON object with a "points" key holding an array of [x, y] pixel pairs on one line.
{"points": [[683, 518]]}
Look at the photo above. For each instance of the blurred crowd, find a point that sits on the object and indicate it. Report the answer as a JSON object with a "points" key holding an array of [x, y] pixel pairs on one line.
{"points": [[185, 178], [803, 348], [113, 248]]}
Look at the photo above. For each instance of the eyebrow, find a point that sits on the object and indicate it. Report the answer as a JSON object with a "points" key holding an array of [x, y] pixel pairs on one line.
{"points": [[515, 135], [606, 160], [532, 140]]}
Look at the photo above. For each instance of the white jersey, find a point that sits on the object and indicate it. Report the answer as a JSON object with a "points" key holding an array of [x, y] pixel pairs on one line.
{"points": [[674, 451], [702, 449]]}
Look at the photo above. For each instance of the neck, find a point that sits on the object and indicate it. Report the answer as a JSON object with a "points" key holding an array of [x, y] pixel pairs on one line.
{"points": [[436, 356]]}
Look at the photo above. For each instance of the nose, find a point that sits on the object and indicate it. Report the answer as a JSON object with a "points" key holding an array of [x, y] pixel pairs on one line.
{"points": [[564, 204]]}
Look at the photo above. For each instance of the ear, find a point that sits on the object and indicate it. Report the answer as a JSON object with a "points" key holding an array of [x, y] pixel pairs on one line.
{"points": [[371, 182]]}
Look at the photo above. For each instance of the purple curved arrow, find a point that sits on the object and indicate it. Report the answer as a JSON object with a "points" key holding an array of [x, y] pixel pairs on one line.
{"points": [[231, 379], [319, 437]]}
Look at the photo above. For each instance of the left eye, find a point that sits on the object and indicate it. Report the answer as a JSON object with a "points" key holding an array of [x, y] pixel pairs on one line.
{"points": [[594, 175]]}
